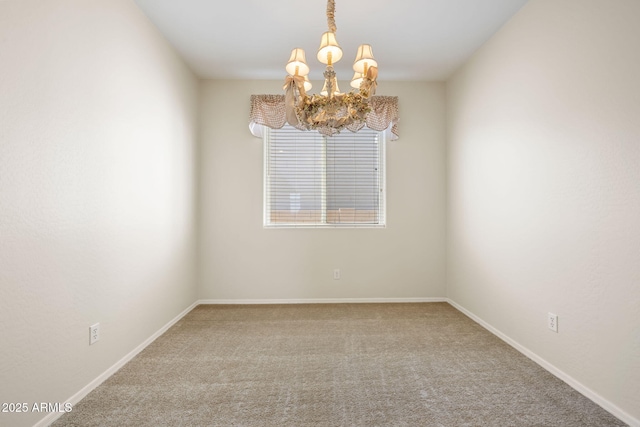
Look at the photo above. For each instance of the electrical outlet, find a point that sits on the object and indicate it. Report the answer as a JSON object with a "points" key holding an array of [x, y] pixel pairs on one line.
{"points": [[553, 322], [336, 274], [94, 333]]}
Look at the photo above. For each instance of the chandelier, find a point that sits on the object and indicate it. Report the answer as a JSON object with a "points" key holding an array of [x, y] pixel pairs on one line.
{"points": [[330, 111]]}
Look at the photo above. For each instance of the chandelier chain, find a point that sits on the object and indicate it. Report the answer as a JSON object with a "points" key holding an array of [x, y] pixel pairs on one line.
{"points": [[331, 12]]}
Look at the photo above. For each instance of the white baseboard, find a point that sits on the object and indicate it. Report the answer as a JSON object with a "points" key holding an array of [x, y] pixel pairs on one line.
{"points": [[319, 300], [106, 374], [579, 387]]}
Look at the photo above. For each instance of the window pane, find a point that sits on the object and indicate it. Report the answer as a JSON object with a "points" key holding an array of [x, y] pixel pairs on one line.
{"points": [[311, 180], [353, 184], [295, 176]]}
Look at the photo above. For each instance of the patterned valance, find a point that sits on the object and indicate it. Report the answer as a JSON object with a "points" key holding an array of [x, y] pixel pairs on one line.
{"points": [[269, 111]]}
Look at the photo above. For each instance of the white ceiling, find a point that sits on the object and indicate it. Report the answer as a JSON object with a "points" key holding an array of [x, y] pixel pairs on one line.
{"points": [[252, 39]]}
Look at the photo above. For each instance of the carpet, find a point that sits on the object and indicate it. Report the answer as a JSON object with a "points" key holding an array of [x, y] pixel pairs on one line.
{"points": [[422, 364]]}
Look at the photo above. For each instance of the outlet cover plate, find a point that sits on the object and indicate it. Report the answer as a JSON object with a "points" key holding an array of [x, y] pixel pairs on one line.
{"points": [[94, 333], [553, 322]]}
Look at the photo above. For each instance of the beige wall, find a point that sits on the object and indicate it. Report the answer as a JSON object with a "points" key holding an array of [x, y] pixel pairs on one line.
{"points": [[544, 190], [98, 196], [240, 260], [97, 199]]}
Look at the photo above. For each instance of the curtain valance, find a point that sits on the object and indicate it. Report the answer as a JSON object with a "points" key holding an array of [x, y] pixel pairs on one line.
{"points": [[269, 111]]}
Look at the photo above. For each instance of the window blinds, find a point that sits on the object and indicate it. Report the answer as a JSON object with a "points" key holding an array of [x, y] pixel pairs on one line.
{"points": [[316, 181]]}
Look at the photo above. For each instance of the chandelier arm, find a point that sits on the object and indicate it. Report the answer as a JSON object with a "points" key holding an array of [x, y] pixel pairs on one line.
{"points": [[331, 11]]}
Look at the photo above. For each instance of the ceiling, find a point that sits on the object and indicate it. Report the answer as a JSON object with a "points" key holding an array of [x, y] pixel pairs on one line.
{"points": [[423, 40]]}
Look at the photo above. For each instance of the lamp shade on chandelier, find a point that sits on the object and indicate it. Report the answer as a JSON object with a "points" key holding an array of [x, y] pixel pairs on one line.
{"points": [[331, 111]]}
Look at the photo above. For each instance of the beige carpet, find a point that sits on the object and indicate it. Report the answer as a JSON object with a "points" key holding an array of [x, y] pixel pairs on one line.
{"points": [[333, 365]]}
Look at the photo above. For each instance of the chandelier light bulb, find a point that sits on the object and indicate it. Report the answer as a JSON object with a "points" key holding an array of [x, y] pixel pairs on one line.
{"points": [[297, 64], [307, 84], [356, 80], [364, 59], [336, 89], [329, 51]]}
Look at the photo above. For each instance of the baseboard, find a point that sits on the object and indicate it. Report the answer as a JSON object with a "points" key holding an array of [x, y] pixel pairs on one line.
{"points": [[106, 374], [579, 387], [319, 300]]}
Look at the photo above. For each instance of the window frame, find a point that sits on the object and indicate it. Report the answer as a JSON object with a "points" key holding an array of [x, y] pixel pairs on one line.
{"points": [[382, 199]]}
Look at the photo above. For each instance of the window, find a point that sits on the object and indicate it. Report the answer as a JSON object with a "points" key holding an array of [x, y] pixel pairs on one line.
{"points": [[317, 181]]}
